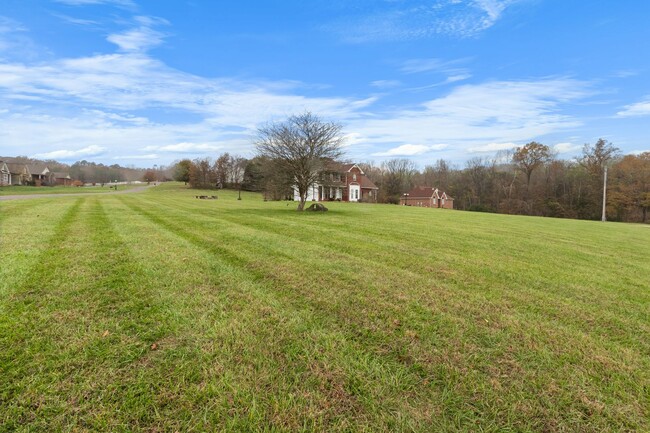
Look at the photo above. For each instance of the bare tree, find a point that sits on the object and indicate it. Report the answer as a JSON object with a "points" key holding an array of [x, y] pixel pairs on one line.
{"points": [[237, 172], [300, 147], [202, 175], [398, 175], [222, 170]]}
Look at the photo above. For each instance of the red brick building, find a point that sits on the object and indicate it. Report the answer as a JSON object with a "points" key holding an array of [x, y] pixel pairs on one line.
{"points": [[426, 196], [63, 179]]}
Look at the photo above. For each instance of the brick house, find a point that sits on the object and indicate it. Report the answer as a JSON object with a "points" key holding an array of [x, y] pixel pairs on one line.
{"points": [[62, 179], [342, 182], [426, 196]]}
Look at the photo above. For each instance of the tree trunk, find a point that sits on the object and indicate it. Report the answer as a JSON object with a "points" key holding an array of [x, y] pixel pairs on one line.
{"points": [[303, 199]]}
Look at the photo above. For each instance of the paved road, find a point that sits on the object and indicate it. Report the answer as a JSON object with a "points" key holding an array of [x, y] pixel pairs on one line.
{"points": [[28, 196]]}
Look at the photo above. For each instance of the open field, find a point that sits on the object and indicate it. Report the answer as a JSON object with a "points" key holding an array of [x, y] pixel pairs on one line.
{"points": [[23, 190], [159, 312]]}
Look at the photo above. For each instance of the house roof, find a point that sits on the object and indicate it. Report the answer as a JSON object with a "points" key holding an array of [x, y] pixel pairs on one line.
{"points": [[15, 167], [334, 166], [337, 167], [427, 192], [423, 192], [348, 168], [60, 175], [367, 183], [37, 168]]}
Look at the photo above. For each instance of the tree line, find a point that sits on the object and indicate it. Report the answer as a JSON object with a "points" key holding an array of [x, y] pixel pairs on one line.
{"points": [[529, 180]]}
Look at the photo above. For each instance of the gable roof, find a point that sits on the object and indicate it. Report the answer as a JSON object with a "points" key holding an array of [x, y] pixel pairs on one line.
{"points": [[427, 192], [423, 192], [341, 167], [3, 167], [37, 168], [367, 183], [348, 168], [15, 167]]}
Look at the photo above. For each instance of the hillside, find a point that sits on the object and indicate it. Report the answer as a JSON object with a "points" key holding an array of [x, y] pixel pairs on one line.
{"points": [[160, 312]]}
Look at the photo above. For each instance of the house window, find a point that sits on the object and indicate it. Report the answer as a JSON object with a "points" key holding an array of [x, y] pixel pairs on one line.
{"points": [[354, 177], [443, 201]]}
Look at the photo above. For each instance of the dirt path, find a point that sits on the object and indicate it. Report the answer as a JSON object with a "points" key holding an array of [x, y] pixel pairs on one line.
{"points": [[28, 196]]}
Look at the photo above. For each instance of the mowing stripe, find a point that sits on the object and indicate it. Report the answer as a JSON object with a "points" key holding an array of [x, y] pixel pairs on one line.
{"points": [[438, 294], [191, 229], [80, 325], [392, 363]]}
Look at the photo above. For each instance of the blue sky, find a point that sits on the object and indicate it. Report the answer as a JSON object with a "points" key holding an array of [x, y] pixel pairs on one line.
{"points": [[148, 82]]}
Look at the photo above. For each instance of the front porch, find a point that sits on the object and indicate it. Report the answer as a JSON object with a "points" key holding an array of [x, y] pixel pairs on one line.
{"points": [[329, 193]]}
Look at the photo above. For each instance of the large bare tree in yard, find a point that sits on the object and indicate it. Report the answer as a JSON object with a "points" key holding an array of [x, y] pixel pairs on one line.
{"points": [[300, 147]]}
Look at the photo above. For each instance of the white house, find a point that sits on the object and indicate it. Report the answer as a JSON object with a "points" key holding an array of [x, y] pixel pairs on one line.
{"points": [[342, 182]]}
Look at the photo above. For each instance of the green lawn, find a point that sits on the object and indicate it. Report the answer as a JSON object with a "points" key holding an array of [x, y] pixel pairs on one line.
{"points": [[22, 190], [159, 312]]}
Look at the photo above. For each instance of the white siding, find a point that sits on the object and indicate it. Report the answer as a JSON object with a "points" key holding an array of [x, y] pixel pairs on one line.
{"points": [[312, 193]]}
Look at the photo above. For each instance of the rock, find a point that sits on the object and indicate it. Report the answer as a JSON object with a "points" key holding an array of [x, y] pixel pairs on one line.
{"points": [[317, 207]]}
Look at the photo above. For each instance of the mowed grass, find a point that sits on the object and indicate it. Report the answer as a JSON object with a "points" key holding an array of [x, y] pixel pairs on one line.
{"points": [[24, 190], [160, 312]]}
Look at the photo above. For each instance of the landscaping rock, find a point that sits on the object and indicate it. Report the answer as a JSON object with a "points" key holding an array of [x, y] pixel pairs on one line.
{"points": [[317, 207]]}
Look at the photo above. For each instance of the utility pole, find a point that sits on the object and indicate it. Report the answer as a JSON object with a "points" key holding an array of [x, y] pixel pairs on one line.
{"points": [[605, 196]]}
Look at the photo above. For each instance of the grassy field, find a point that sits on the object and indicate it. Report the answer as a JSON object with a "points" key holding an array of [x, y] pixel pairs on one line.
{"points": [[158, 312], [22, 190]]}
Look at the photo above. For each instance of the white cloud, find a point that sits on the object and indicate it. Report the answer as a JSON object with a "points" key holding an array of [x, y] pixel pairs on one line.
{"points": [[452, 69], [8, 25], [77, 21], [66, 154], [422, 19], [100, 100], [634, 110], [499, 112], [414, 66], [410, 150], [187, 147], [129, 4], [386, 84], [626, 73], [140, 38], [151, 156], [15, 42], [566, 147], [491, 147]]}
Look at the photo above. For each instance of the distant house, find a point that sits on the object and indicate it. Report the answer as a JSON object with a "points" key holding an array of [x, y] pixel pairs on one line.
{"points": [[26, 174], [58, 178], [19, 175], [425, 196], [39, 173], [5, 174], [342, 182]]}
